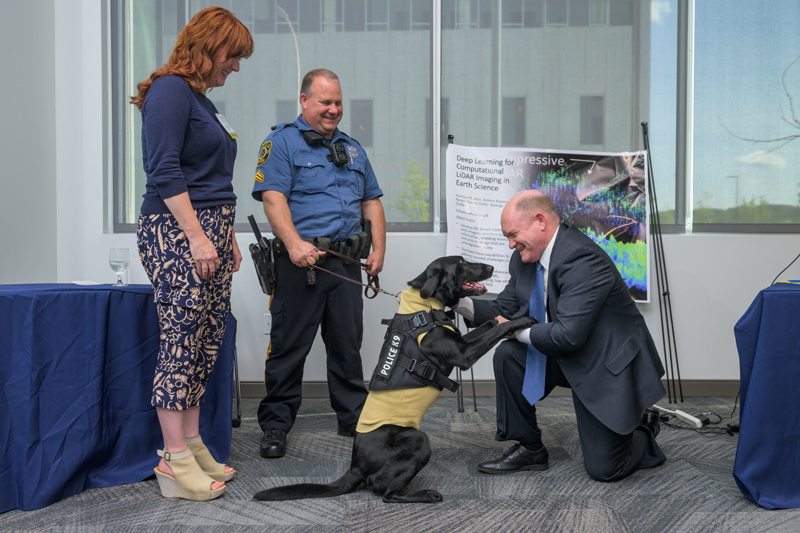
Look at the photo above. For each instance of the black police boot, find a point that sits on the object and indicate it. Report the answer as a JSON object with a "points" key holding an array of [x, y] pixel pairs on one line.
{"points": [[273, 443]]}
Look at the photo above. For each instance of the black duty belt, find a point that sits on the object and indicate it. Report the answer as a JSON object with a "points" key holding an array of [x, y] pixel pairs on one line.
{"points": [[323, 243]]}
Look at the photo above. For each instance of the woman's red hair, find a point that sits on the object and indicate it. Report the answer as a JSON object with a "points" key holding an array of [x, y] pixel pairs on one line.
{"points": [[209, 32]]}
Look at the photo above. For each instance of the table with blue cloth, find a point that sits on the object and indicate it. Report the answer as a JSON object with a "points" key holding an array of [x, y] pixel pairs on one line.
{"points": [[77, 364], [767, 465]]}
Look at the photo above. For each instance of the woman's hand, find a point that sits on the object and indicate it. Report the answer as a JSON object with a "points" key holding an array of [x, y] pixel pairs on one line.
{"points": [[205, 255]]}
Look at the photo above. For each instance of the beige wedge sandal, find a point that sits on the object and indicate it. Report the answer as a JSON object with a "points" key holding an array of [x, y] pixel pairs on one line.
{"points": [[206, 460], [188, 480]]}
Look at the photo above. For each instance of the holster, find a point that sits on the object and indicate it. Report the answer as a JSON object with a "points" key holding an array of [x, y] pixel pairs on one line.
{"points": [[261, 253], [366, 237]]}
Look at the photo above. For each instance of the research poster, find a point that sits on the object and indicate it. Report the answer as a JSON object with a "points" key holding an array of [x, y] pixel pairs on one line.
{"points": [[604, 194]]}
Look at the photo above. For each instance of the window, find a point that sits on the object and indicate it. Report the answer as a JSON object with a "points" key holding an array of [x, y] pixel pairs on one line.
{"points": [[286, 110], [557, 12], [598, 10], [533, 99], [400, 15], [332, 16], [466, 14], [744, 82], [592, 120], [513, 121], [534, 13], [287, 14], [355, 15], [513, 16], [620, 12], [661, 103], [579, 12], [559, 74], [310, 17], [266, 90], [377, 15], [421, 15], [361, 121]]}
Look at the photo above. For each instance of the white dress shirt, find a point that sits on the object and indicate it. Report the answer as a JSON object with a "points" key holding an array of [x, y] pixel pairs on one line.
{"points": [[467, 309]]}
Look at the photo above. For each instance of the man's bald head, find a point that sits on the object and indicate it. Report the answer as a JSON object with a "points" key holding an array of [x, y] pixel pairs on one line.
{"points": [[529, 221]]}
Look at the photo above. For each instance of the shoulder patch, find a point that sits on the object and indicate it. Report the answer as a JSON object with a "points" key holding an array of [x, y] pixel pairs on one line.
{"points": [[259, 176], [263, 155]]}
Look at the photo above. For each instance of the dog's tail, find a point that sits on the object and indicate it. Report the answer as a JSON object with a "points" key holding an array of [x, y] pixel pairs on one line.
{"points": [[345, 484]]}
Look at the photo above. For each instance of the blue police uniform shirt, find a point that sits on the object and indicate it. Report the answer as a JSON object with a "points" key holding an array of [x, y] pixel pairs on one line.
{"points": [[324, 199]]}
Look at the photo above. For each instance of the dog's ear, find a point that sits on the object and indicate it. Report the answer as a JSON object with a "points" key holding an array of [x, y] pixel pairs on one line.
{"points": [[419, 281], [427, 281], [432, 283]]}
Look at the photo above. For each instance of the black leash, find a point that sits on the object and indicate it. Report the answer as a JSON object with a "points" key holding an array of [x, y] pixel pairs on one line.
{"points": [[373, 283]]}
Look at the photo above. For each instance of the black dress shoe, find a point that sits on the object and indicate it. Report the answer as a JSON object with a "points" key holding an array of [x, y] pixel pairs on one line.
{"points": [[517, 459], [273, 443], [650, 420], [348, 431]]}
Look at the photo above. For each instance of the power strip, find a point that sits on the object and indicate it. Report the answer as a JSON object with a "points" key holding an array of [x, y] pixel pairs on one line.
{"points": [[685, 417]]}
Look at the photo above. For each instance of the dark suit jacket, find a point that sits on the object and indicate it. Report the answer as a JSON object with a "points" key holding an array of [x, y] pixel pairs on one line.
{"points": [[596, 334]]}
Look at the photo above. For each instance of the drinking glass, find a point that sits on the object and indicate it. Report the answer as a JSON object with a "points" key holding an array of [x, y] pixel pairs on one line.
{"points": [[119, 258]]}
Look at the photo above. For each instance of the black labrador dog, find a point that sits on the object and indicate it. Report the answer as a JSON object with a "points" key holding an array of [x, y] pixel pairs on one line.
{"points": [[386, 459]]}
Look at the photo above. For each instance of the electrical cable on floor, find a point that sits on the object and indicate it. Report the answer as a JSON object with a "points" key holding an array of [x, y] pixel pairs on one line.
{"points": [[711, 428]]}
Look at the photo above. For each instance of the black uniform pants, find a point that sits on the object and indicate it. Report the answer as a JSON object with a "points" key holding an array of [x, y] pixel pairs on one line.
{"points": [[607, 456], [298, 310]]}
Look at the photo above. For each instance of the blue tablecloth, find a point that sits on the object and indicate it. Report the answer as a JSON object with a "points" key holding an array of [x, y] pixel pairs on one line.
{"points": [[767, 465], [76, 374]]}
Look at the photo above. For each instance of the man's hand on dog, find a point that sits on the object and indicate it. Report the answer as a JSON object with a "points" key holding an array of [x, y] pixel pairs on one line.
{"points": [[500, 320]]}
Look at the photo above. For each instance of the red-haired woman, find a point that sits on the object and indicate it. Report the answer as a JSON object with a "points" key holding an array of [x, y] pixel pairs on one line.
{"points": [[185, 237]]}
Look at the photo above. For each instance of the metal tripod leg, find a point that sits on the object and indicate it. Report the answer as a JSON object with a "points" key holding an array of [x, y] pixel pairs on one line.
{"points": [[237, 389], [474, 396], [460, 391]]}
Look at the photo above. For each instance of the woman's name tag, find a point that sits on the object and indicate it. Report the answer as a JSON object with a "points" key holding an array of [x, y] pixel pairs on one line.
{"points": [[227, 126]]}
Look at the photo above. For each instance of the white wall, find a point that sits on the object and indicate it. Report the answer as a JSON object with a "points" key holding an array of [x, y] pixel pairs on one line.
{"points": [[27, 141], [712, 278]]}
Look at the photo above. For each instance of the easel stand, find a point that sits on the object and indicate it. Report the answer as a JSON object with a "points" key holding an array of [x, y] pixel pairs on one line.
{"points": [[665, 304], [459, 379]]}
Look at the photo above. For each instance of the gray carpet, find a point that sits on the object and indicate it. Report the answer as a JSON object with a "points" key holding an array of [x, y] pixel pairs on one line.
{"points": [[693, 491]]}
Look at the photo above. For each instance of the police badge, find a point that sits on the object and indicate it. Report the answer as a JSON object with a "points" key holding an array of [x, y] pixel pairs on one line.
{"points": [[352, 151], [263, 153]]}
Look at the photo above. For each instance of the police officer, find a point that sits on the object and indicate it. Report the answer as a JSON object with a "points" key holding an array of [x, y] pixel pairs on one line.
{"points": [[316, 184]]}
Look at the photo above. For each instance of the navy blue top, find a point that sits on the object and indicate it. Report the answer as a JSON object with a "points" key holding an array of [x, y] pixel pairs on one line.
{"points": [[184, 148], [324, 199]]}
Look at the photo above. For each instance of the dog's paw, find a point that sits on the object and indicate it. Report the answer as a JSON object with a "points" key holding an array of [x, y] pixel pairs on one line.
{"points": [[429, 496], [523, 322], [420, 496]]}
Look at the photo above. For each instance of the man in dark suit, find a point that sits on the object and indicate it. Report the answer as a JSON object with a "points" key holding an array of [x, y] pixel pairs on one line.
{"points": [[592, 339]]}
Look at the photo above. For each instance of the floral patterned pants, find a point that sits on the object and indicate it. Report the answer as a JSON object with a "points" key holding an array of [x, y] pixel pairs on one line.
{"points": [[192, 312]]}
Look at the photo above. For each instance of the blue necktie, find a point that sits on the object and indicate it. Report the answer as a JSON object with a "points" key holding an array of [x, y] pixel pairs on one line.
{"points": [[536, 362]]}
